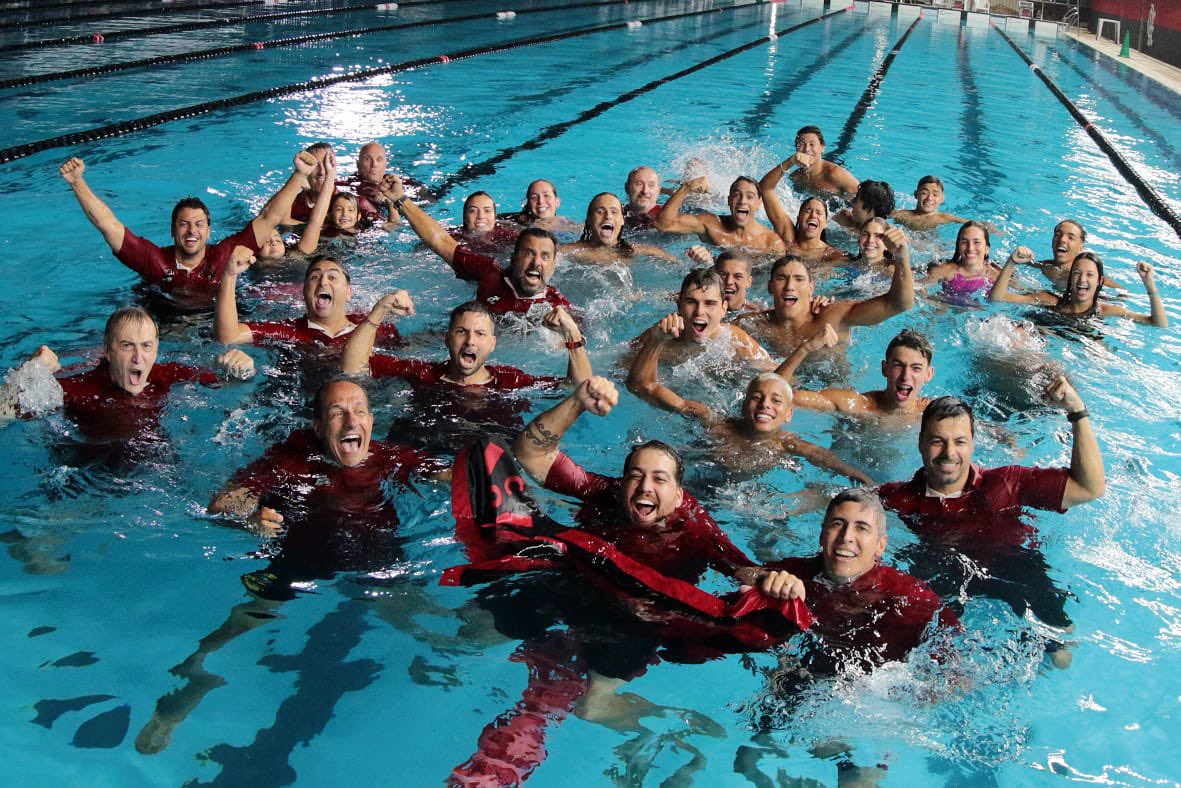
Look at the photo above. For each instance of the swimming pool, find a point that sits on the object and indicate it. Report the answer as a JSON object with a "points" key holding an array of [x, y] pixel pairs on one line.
{"points": [[330, 689]]}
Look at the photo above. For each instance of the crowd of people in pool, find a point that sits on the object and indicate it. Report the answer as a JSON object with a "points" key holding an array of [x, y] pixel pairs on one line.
{"points": [[624, 581]]}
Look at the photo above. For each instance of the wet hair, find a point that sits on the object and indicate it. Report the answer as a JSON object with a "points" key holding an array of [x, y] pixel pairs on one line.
{"points": [[809, 130], [316, 146], [1068, 293], [805, 202], [122, 317], [190, 202], [955, 257], [865, 498], [1082, 231], [914, 340], [887, 254], [702, 279], [788, 259], [876, 196], [471, 307], [474, 195], [749, 180], [322, 393], [326, 258], [661, 446], [525, 205], [732, 254], [770, 377], [533, 232], [923, 181], [589, 235], [947, 408]]}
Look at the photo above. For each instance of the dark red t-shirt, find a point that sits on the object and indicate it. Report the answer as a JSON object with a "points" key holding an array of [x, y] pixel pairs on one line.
{"points": [[300, 331], [877, 618], [105, 412], [683, 547], [493, 287], [158, 265]]}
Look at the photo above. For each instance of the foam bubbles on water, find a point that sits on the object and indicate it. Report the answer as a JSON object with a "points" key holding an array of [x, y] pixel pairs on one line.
{"points": [[31, 390], [1000, 336]]}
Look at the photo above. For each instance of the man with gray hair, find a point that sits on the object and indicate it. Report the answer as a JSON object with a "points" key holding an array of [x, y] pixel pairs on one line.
{"points": [[866, 613]]}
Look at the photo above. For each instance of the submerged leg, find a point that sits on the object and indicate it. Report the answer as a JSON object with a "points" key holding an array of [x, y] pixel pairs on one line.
{"points": [[171, 709]]}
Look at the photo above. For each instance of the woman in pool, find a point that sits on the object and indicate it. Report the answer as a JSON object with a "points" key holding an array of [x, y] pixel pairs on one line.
{"points": [[1081, 297], [970, 272], [541, 209], [871, 243], [806, 238], [602, 241]]}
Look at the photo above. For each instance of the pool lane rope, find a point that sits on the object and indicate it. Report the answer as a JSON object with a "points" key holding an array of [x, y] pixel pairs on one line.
{"points": [[204, 54], [185, 27], [869, 95], [1147, 193], [130, 12], [318, 83], [488, 166]]}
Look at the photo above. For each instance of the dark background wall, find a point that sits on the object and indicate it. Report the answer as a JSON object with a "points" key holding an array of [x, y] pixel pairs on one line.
{"points": [[1161, 39]]}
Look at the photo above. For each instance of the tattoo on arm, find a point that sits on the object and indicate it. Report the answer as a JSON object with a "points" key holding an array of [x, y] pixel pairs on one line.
{"points": [[540, 436]]}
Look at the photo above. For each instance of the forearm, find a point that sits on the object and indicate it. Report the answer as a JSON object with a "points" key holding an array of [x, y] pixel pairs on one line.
{"points": [[278, 207], [823, 458], [234, 501], [226, 328], [99, 214], [1087, 479], [901, 294], [1000, 288], [537, 447], [355, 359], [310, 240], [670, 218], [787, 369], [1157, 317], [578, 366], [750, 575]]}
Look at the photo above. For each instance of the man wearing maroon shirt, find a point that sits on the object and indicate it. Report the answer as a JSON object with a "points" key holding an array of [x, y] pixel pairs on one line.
{"points": [[518, 288], [646, 515], [327, 290], [866, 613], [969, 518], [192, 264], [121, 398], [453, 400]]}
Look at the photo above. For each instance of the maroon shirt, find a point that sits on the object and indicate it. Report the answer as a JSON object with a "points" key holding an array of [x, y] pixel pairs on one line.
{"points": [[105, 412], [877, 618], [493, 287], [985, 518], [158, 265], [683, 546], [299, 332]]}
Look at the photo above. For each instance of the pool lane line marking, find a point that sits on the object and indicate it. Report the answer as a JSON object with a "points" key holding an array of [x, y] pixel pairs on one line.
{"points": [[130, 12], [754, 119], [1150, 196], [202, 54], [314, 84], [1133, 117], [869, 96], [184, 27], [488, 166], [1161, 96]]}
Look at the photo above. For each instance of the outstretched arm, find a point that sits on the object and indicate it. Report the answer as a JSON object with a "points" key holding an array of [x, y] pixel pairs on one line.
{"points": [[578, 368], [355, 359], [823, 458], [1158, 317], [1086, 481], [430, 231], [226, 328], [643, 379], [278, 207], [900, 296], [1000, 288], [537, 447], [774, 207], [671, 220], [10, 391], [97, 211]]}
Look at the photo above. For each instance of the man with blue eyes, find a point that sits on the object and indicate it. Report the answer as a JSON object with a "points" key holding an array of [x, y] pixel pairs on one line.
{"points": [[971, 516]]}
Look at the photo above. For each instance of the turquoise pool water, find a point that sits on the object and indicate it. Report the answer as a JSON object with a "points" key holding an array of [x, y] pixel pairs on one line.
{"points": [[126, 574]]}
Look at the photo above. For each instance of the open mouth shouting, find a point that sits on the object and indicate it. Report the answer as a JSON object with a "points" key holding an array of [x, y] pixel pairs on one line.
{"points": [[607, 232]]}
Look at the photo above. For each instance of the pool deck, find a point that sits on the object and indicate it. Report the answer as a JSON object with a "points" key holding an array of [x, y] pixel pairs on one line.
{"points": [[1162, 72]]}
